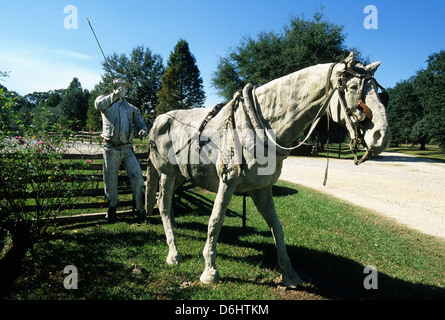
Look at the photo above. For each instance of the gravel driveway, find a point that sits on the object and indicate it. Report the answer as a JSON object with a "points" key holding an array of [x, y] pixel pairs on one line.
{"points": [[409, 189]]}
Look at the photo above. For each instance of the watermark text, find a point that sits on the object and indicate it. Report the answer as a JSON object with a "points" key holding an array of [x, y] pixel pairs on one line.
{"points": [[371, 280], [371, 20], [71, 21], [71, 281]]}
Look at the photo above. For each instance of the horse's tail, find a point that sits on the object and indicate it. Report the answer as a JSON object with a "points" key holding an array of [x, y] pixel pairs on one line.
{"points": [[151, 187]]}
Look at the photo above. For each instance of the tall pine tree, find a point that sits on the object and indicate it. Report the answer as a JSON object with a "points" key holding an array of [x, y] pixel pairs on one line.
{"points": [[181, 84]]}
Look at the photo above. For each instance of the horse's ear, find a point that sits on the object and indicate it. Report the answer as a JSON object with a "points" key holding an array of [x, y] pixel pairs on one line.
{"points": [[350, 60], [373, 67]]}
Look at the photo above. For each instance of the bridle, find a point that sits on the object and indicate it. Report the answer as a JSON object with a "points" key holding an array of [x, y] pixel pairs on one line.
{"points": [[352, 121]]}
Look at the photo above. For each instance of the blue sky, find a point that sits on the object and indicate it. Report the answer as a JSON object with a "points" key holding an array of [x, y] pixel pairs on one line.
{"points": [[41, 54]]}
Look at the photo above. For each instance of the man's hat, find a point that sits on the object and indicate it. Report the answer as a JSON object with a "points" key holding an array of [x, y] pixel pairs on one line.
{"points": [[120, 82]]}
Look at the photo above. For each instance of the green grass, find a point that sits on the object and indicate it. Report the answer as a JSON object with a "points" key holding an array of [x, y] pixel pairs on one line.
{"points": [[345, 152], [431, 152], [329, 242]]}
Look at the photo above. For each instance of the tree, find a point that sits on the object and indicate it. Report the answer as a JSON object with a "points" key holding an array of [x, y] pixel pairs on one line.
{"points": [[272, 55], [7, 115], [416, 111], [94, 120], [181, 83], [143, 69], [47, 110], [32, 174], [73, 106], [429, 85], [403, 111]]}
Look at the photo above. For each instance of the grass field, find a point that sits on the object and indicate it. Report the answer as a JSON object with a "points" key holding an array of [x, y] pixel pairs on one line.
{"points": [[432, 152], [329, 242]]}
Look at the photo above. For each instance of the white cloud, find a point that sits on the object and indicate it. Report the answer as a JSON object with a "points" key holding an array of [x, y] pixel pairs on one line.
{"points": [[71, 54], [44, 69]]}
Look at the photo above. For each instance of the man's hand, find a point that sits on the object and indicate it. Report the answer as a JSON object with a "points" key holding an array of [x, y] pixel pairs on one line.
{"points": [[119, 93]]}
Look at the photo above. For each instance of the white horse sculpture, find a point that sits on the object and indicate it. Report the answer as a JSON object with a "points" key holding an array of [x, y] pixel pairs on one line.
{"points": [[220, 150]]}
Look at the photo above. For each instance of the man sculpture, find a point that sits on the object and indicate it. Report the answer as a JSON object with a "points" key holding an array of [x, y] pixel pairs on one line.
{"points": [[118, 118]]}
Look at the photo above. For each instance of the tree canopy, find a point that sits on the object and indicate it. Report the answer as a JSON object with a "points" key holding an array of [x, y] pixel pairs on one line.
{"points": [[143, 69], [271, 55], [73, 106], [416, 110]]}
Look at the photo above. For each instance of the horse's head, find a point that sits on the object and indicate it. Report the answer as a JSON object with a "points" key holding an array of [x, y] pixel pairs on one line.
{"points": [[357, 104]]}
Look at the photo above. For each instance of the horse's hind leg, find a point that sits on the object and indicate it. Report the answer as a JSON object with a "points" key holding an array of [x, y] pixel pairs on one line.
{"points": [[263, 200], [166, 188]]}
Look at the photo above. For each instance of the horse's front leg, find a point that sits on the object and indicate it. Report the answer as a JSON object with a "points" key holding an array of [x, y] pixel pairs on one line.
{"points": [[223, 197], [263, 200], [166, 188]]}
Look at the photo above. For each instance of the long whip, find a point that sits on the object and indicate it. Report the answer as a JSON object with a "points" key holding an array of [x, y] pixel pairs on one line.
{"points": [[100, 47]]}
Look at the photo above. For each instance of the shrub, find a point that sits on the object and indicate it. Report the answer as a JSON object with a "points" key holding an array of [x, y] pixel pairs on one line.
{"points": [[36, 183]]}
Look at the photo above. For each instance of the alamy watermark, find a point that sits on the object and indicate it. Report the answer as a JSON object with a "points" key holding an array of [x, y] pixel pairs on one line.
{"points": [[371, 20], [71, 280], [71, 21], [371, 281], [227, 147]]}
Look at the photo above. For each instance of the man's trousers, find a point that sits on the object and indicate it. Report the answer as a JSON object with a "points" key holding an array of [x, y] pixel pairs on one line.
{"points": [[113, 158]]}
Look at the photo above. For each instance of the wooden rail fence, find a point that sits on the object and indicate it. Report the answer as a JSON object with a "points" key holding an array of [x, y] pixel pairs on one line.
{"points": [[93, 198]]}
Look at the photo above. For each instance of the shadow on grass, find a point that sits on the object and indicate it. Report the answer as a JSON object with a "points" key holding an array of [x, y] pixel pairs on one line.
{"points": [[103, 273], [106, 276], [333, 276], [405, 158]]}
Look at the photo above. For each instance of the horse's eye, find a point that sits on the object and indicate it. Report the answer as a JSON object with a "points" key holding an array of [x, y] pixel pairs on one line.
{"points": [[353, 86]]}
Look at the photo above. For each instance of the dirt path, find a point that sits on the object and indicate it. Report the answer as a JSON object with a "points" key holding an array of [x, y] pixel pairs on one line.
{"points": [[408, 189]]}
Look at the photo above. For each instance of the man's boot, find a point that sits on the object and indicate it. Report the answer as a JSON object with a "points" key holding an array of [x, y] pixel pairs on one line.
{"points": [[142, 216], [111, 215]]}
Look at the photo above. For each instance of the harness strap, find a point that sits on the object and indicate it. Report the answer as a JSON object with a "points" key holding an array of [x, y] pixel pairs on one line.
{"points": [[204, 122]]}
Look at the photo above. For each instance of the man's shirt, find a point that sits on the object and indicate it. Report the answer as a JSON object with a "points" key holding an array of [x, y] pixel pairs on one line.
{"points": [[118, 119]]}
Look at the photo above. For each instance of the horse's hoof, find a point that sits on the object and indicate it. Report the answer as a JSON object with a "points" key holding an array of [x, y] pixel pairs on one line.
{"points": [[210, 276], [174, 258], [292, 280]]}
